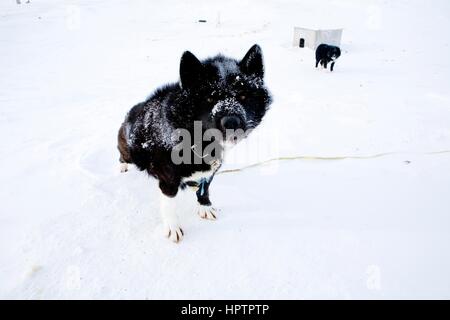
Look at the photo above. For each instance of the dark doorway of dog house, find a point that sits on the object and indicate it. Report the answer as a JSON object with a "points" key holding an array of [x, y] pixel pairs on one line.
{"points": [[302, 43]]}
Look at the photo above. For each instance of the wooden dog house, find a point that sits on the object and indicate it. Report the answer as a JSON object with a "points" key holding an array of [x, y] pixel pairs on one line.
{"points": [[311, 38]]}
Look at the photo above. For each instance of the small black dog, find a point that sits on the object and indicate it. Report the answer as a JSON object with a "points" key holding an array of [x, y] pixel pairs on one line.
{"points": [[326, 54], [220, 94]]}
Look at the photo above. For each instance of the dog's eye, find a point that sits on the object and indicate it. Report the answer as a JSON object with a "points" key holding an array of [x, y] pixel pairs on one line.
{"points": [[209, 100], [242, 97]]}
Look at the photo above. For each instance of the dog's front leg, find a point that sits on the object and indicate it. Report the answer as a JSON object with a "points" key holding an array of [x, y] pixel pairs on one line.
{"points": [[169, 208], [172, 229], [332, 66], [205, 208]]}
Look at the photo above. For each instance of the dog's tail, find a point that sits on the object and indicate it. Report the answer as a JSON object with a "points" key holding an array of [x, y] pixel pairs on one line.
{"points": [[122, 145]]}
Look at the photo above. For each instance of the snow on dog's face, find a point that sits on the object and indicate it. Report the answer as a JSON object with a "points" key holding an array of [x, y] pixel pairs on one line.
{"points": [[226, 94]]}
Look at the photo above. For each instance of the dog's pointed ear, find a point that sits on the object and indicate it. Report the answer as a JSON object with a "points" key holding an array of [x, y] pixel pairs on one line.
{"points": [[252, 63], [191, 70]]}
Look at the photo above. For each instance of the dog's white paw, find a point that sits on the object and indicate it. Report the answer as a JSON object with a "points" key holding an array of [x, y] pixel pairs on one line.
{"points": [[123, 167], [207, 212], [174, 233]]}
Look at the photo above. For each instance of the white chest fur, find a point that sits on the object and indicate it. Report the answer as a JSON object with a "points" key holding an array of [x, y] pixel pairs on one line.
{"points": [[199, 175]]}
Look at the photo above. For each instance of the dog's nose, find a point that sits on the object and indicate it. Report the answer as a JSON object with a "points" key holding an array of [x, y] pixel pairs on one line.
{"points": [[231, 122]]}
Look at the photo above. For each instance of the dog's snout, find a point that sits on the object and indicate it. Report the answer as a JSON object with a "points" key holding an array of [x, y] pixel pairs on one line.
{"points": [[231, 122]]}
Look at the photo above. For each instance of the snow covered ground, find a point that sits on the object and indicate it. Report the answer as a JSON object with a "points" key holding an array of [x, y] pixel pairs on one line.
{"points": [[72, 226]]}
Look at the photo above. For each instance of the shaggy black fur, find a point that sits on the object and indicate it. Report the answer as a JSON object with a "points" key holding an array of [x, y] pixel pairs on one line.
{"points": [[234, 89], [326, 54]]}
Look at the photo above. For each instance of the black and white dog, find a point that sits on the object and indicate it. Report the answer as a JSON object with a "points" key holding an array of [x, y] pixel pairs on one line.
{"points": [[220, 94], [326, 54]]}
